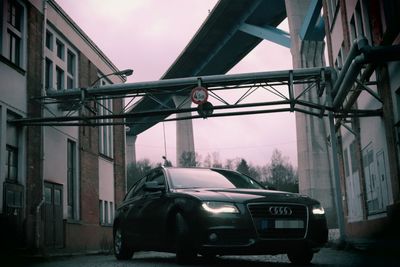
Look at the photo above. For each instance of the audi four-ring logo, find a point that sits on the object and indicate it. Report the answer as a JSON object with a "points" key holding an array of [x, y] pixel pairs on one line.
{"points": [[280, 210]]}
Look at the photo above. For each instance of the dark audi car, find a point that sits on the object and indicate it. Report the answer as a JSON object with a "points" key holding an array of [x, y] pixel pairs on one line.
{"points": [[211, 212]]}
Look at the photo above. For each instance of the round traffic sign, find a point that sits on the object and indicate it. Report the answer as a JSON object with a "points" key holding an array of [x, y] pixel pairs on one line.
{"points": [[199, 95]]}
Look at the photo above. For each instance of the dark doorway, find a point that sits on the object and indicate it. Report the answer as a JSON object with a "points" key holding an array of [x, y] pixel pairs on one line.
{"points": [[53, 216]]}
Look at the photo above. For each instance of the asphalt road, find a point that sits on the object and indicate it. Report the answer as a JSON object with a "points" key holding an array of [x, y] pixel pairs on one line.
{"points": [[327, 257]]}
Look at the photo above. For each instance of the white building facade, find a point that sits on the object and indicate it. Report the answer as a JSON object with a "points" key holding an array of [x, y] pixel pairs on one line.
{"points": [[58, 185]]}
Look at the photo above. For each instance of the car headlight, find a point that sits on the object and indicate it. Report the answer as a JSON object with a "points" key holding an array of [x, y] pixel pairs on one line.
{"points": [[318, 210], [219, 207]]}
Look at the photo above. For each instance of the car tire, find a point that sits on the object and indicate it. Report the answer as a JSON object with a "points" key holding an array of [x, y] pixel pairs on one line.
{"points": [[301, 256], [185, 251], [121, 249]]}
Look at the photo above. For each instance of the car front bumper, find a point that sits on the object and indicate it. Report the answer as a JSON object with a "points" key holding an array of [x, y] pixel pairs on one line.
{"points": [[226, 234]]}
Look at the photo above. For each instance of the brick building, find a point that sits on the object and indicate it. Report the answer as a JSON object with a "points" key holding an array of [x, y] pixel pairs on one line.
{"points": [[369, 146], [58, 185]]}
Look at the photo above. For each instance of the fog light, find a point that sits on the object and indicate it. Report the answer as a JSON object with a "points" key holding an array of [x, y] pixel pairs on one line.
{"points": [[213, 237]]}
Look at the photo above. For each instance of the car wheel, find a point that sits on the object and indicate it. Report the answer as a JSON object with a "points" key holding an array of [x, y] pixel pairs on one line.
{"points": [[185, 252], [301, 256], [121, 249]]}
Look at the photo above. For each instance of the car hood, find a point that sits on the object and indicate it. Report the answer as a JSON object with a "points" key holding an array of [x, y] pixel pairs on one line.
{"points": [[245, 195]]}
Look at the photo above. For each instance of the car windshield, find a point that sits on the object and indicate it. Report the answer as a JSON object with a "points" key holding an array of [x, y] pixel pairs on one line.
{"points": [[208, 178]]}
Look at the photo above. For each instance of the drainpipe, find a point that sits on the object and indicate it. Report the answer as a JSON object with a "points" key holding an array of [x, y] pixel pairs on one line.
{"points": [[43, 93]]}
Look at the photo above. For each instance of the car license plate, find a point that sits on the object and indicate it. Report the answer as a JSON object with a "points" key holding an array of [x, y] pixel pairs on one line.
{"points": [[289, 224]]}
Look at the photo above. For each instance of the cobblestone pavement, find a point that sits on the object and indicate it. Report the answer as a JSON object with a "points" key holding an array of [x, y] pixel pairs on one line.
{"points": [[327, 257]]}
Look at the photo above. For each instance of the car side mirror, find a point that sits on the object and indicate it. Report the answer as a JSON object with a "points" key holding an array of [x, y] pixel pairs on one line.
{"points": [[153, 186]]}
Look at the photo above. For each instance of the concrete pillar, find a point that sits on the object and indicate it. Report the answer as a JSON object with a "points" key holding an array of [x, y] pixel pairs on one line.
{"points": [[315, 179], [184, 129], [130, 149]]}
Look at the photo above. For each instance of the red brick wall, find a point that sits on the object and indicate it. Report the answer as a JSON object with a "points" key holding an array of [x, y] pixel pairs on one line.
{"points": [[119, 156], [87, 237], [88, 148], [87, 234], [34, 134]]}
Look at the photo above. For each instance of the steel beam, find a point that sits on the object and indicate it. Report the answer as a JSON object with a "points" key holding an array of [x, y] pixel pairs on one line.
{"points": [[175, 85], [269, 33], [311, 27]]}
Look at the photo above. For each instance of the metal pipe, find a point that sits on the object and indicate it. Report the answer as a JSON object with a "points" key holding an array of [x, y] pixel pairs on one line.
{"points": [[353, 97], [42, 145], [173, 84], [368, 54], [58, 124], [335, 165], [348, 80], [354, 51], [144, 113]]}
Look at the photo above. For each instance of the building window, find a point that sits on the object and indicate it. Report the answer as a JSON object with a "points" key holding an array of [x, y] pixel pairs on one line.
{"points": [[101, 213], [70, 82], [14, 52], [72, 184], [105, 131], [60, 78], [60, 49], [332, 6], [13, 41], [359, 25], [353, 32], [111, 212], [62, 73], [339, 60], [48, 196], [70, 69], [70, 62], [106, 213], [48, 74], [14, 14], [359, 21], [11, 163], [11, 160], [49, 40]]}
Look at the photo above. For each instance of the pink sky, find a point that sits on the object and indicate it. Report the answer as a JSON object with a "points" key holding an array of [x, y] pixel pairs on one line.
{"points": [[148, 36]]}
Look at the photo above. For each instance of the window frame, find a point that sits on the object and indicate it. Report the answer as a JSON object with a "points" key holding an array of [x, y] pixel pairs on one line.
{"points": [[13, 33], [11, 162], [72, 181], [68, 63], [106, 132]]}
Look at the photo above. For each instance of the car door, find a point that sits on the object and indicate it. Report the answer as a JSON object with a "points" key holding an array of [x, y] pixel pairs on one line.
{"points": [[154, 211], [130, 208]]}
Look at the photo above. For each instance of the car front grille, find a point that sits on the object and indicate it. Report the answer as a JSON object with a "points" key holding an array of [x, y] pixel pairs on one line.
{"points": [[279, 221]]}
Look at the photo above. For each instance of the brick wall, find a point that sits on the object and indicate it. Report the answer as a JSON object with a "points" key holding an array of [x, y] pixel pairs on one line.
{"points": [[89, 169], [119, 156], [34, 134]]}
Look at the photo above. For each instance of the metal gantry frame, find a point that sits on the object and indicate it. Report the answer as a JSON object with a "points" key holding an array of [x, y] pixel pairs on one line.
{"points": [[79, 106]]}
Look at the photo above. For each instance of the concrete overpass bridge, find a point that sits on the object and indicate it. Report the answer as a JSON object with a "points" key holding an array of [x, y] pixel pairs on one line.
{"points": [[230, 32]]}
